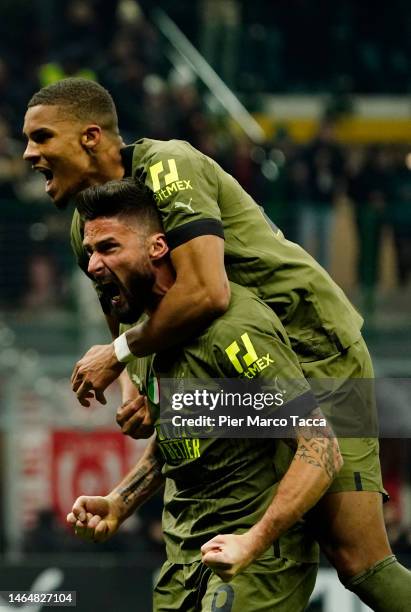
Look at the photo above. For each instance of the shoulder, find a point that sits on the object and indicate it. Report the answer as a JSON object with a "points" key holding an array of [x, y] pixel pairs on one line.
{"points": [[183, 180], [247, 315], [246, 307], [148, 149], [249, 340]]}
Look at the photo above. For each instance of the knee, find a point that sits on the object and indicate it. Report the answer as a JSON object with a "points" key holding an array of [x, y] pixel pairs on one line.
{"points": [[347, 561]]}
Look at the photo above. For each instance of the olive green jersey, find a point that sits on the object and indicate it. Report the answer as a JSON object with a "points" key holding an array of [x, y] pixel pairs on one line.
{"points": [[196, 197], [225, 485]]}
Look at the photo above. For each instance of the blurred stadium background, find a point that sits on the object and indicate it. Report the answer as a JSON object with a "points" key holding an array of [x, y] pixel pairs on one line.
{"points": [[307, 104]]}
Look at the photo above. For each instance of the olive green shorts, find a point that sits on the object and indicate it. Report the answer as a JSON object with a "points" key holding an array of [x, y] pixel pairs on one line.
{"points": [[343, 385], [267, 585]]}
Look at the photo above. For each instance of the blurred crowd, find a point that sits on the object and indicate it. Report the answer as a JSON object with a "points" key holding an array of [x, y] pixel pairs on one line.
{"points": [[286, 46], [115, 43], [300, 186]]}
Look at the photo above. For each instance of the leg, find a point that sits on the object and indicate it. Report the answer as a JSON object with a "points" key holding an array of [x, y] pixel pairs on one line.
{"points": [[352, 534], [350, 529], [348, 520]]}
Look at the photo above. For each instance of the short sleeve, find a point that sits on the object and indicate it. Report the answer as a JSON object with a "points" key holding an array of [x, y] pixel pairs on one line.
{"points": [[185, 187]]}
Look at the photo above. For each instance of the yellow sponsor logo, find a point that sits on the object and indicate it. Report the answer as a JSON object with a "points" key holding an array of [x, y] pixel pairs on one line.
{"points": [[261, 363], [170, 177], [253, 363], [165, 193], [166, 181]]}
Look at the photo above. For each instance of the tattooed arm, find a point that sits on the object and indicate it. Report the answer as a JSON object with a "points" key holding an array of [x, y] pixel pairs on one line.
{"points": [[141, 482], [98, 518], [315, 464]]}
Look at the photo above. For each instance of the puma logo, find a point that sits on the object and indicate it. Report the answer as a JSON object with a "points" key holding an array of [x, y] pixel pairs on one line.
{"points": [[183, 205]]}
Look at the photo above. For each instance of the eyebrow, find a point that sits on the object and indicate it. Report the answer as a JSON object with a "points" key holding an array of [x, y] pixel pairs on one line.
{"points": [[38, 132], [98, 243]]}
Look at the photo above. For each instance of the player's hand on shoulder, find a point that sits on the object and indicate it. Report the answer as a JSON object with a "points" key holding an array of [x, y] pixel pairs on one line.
{"points": [[94, 518], [228, 554], [134, 418]]}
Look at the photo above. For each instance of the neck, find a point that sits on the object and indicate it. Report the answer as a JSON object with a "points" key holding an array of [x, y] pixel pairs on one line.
{"points": [[164, 279], [108, 164]]}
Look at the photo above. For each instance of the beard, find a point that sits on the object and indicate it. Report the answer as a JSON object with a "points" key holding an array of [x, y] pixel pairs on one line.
{"points": [[134, 298]]}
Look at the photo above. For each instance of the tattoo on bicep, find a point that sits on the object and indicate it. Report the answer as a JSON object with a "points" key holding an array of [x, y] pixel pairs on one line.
{"points": [[318, 446]]}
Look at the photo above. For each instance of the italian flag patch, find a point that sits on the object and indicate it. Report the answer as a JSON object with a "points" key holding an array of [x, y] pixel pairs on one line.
{"points": [[153, 391]]}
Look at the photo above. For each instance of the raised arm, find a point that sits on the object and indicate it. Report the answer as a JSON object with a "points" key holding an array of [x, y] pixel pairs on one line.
{"points": [[98, 518]]}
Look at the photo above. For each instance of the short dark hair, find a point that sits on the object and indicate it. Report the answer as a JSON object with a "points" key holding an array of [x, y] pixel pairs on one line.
{"points": [[125, 198], [84, 99]]}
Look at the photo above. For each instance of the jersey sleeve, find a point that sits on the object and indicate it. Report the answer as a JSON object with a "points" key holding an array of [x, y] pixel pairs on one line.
{"points": [[255, 348], [76, 236], [185, 187]]}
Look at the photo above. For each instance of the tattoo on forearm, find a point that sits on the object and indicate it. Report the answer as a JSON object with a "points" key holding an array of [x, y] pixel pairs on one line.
{"points": [[147, 475], [319, 447]]}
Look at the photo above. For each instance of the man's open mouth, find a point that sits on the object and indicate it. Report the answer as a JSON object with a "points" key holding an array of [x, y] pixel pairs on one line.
{"points": [[48, 175], [112, 292]]}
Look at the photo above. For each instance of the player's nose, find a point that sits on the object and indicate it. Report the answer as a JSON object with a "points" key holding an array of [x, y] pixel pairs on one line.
{"points": [[95, 265], [31, 152]]}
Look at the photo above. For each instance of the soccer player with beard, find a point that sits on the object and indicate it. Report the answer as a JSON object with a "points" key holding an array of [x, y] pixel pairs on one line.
{"points": [[209, 220], [232, 505]]}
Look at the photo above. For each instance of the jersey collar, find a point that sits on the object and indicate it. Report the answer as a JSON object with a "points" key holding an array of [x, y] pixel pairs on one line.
{"points": [[127, 159]]}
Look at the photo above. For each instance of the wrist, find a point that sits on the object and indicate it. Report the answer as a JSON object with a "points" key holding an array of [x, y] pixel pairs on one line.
{"points": [[257, 541], [122, 350], [118, 507]]}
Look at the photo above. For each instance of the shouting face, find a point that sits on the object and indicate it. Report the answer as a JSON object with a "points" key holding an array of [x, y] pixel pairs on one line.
{"points": [[58, 146], [120, 264]]}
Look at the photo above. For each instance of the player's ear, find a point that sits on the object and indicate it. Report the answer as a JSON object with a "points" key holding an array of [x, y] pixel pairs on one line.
{"points": [[91, 137], [158, 246]]}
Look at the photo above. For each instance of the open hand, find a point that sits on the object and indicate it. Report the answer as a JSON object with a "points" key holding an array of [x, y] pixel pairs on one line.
{"points": [[94, 372]]}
